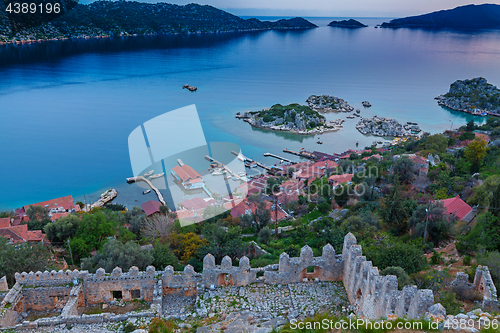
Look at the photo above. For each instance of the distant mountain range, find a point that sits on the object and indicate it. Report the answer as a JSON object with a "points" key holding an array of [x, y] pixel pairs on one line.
{"points": [[486, 16], [104, 18]]}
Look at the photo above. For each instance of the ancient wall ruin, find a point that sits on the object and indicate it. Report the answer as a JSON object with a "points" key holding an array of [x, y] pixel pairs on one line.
{"points": [[372, 295]]}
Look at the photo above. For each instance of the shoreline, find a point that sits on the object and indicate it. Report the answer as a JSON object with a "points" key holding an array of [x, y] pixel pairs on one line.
{"points": [[295, 131], [440, 102], [58, 39]]}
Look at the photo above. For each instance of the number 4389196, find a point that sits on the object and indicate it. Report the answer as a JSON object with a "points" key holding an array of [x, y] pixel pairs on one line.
{"points": [[33, 8]]}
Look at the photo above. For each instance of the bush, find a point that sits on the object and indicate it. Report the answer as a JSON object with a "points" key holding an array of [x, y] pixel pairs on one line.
{"points": [[403, 278], [408, 257], [467, 260], [436, 258], [450, 303], [264, 235], [467, 136], [465, 293], [492, 260], [159, 325]]}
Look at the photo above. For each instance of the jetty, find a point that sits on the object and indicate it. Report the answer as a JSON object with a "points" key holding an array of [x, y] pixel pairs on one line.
{"points": [[147, 181], [223, 166], [278, 157], [105, 198], [301, 153], [241, 157]]}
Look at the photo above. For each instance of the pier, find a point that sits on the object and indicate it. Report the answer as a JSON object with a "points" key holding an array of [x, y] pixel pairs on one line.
{"points": [[304, 153], [278, 157], [241, 157], [213, 160], [147, 181]]}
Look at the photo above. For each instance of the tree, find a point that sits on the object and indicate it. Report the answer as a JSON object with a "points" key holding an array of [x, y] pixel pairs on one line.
{"points": [[22, 258], [492, 260], [264, 235], [408, 257], [135, 218], [494, 206], [483, 194], [475, 153], [163, 257], [115, 254], [404, 168], [438, 226], [92, 232], [185, 246], [485, 233], [62, 229], [434, 144], [470, 126], [157, 226], [222, 242], [393, 211], [37, 213], [273, 184]]}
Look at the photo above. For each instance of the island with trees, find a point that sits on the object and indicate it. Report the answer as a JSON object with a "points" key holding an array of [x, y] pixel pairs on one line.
{"points": [[475, 96], [484, 16], [295, 118], [351, 24], [124, 18]]}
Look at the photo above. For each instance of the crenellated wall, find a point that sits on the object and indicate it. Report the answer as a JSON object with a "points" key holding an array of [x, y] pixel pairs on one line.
{"points": [[375, 296], [328, 267]]}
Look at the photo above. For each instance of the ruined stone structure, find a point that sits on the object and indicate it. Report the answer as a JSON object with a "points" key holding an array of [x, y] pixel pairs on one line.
{"points": [[372, 295], [483, 284]]}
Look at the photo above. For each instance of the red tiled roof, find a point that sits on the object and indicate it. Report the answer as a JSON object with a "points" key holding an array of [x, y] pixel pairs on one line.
{"points": [[66, 202], [245, 205], [186, 172], [21, 231], [483, 137], [35, 236], [323, 165], [377, 156], [11, 236], [184, 213], [340, 179], [418, 159], [456, 206], [196, 203], [151, 207], [57, 216], [4, 222]]}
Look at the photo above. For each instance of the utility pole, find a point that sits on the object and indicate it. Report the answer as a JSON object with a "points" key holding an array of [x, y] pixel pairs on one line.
{"points": [[426, 222], [71, 254], [276, 216]]}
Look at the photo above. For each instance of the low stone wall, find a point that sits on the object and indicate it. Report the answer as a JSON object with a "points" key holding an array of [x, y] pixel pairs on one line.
{"points": [[226, 273], [376, 296]]}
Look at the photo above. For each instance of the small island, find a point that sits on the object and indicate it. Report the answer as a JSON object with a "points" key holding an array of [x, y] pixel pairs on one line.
{"points": [[351, 24], [475, 96], [326, 103], [380, 126], [295, 118]]}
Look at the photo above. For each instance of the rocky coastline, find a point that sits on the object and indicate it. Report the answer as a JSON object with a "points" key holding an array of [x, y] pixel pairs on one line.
{"points": [[293, 118], [475, 96], [327, 103], [380, 126]]}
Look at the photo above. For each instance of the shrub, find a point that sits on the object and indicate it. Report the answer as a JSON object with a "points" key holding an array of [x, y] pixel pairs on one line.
{"points": [[403, 278], [467, 260], [408, 257], [436, 258], [450, 303], [159, 325], [465, 293]]}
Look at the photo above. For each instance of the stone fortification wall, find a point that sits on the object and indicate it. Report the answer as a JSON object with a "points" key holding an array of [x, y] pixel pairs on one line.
{"points": [[52, 278], [184, 283], [102, 287], [226, 273], [43, 298], [328, 267], [375, 296]]}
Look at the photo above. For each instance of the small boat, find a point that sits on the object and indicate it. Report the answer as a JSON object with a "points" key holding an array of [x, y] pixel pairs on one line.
{"points": [[146, 192], [366, 104], [357, 143], [149, 173], [319, 142], [358, 110], [350, 117]]}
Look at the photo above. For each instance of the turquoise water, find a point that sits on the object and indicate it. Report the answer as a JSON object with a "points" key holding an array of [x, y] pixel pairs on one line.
{"points": [[67, 108]]}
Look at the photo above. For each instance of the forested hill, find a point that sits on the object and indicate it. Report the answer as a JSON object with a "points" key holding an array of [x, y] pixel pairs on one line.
{"points": [[130, 17], [486, 16]]}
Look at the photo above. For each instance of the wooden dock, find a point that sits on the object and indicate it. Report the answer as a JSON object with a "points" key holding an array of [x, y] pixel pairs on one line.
{"points": [[304, 153], [278, 157], [147, 181]]}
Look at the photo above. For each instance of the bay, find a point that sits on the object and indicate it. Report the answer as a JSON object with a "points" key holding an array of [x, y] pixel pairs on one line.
{"points": [[67, 108]]}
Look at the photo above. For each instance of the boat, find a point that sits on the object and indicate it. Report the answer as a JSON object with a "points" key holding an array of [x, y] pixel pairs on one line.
{"points": [[146, 192], [319, 142], [350, 117], [149, 173], [358, 110], [366, 104]]}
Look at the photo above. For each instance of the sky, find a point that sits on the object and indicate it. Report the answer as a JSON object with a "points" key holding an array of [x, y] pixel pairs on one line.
{"points": [[329, 8]]}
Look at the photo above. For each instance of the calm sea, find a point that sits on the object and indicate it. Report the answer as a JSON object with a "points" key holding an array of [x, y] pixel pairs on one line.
{"points": [[67, 108]]}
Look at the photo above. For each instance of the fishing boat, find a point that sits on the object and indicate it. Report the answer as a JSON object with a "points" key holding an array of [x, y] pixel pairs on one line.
{"points": [[319, 142], [149, 173], [146, 192]]}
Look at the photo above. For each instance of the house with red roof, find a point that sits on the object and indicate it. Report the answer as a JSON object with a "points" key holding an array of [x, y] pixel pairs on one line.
{"points": [[376, 156], [57, 208], [459, 208], [19, 233], [151, 207], [246, 208], [336, 180], [188, 177]]}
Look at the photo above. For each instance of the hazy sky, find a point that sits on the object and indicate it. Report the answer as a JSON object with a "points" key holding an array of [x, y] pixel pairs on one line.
{"points": [[359, 8]]}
